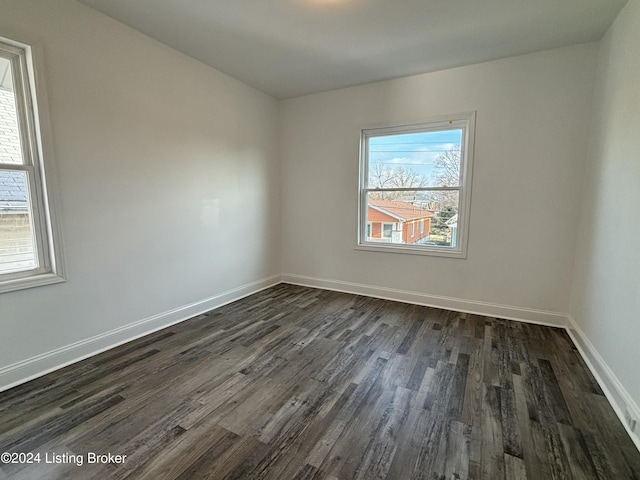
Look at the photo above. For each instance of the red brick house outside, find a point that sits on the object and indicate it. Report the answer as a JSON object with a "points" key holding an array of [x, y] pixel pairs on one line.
{"points": [[397, 222]]}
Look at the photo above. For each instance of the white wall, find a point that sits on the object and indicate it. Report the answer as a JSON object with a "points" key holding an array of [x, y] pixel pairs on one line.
{"points": [[605, 299], [531, 141], [143, 137]]}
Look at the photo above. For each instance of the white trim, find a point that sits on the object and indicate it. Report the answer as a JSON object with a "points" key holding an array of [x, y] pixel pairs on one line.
{"points": [[613, 389], [34, 367], [409, 249], [464, 121], [30, 281], [32, 110], [530, 315], [47, 163]]}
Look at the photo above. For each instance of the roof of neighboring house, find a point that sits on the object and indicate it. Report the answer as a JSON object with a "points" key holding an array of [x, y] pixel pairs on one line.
{"points": [[403, 211], [13, 191], [453, 221]]}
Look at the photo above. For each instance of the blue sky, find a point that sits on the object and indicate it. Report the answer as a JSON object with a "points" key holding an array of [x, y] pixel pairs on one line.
{"points": [[417, 151]]}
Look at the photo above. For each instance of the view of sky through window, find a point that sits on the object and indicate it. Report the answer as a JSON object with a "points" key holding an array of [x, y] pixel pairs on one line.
{"points": [[417, 153]]}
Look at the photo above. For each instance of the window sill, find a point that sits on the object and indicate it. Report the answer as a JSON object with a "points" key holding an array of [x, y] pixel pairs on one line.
{"points": [[407, 250], [35, 280]]}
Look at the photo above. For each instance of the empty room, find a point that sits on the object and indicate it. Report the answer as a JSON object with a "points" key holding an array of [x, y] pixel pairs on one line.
{"points": [[319, 239]]}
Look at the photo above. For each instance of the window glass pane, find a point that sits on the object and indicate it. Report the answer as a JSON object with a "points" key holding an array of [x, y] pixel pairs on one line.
{"points": [[443, 229], [392, 217], [410, 160], [17, 244], [411, 190], [10, 148], [420, 218]]}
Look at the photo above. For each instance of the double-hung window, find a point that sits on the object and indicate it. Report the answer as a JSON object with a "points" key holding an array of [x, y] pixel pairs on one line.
{"points": [[27, 238], [412, 173]]}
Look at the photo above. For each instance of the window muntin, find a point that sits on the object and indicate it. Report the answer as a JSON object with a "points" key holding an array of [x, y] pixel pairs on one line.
{"points": [[27, 256], [418, 173]]}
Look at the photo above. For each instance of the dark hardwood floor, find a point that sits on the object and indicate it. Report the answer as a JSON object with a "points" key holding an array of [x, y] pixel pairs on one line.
{"points": [[298, 383]]}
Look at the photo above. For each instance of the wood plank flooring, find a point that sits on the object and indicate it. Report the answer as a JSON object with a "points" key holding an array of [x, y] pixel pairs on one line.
{"points": [[299, 383]]}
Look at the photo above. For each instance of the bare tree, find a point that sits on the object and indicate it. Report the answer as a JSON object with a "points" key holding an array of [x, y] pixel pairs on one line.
{"points": [[446, 174], [383, 176]]}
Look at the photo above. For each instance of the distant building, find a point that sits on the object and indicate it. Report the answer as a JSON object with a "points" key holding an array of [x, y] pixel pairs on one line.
{"points": [[397, 222]]}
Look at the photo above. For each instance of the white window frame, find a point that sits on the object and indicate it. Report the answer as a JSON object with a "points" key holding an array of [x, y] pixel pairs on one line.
{"points": [[33, 118], [461, 121]]}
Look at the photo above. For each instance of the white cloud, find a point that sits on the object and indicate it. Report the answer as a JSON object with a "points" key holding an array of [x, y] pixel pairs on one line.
{"points": [[405, 161]]}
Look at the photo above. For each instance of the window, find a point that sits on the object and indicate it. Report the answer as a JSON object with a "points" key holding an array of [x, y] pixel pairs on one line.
{"points": [[27, 255], [417, 173]]}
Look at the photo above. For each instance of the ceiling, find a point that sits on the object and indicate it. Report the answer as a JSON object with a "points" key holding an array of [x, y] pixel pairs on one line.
{"points": [[288, 48]]}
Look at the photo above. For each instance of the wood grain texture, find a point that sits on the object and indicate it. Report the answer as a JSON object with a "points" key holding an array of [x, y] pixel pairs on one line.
{"points": [[299, 383]]}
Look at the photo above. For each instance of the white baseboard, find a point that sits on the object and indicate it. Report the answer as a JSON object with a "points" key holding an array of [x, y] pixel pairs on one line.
{"points": [[34, 367], [542, 317], [613, 389]]}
